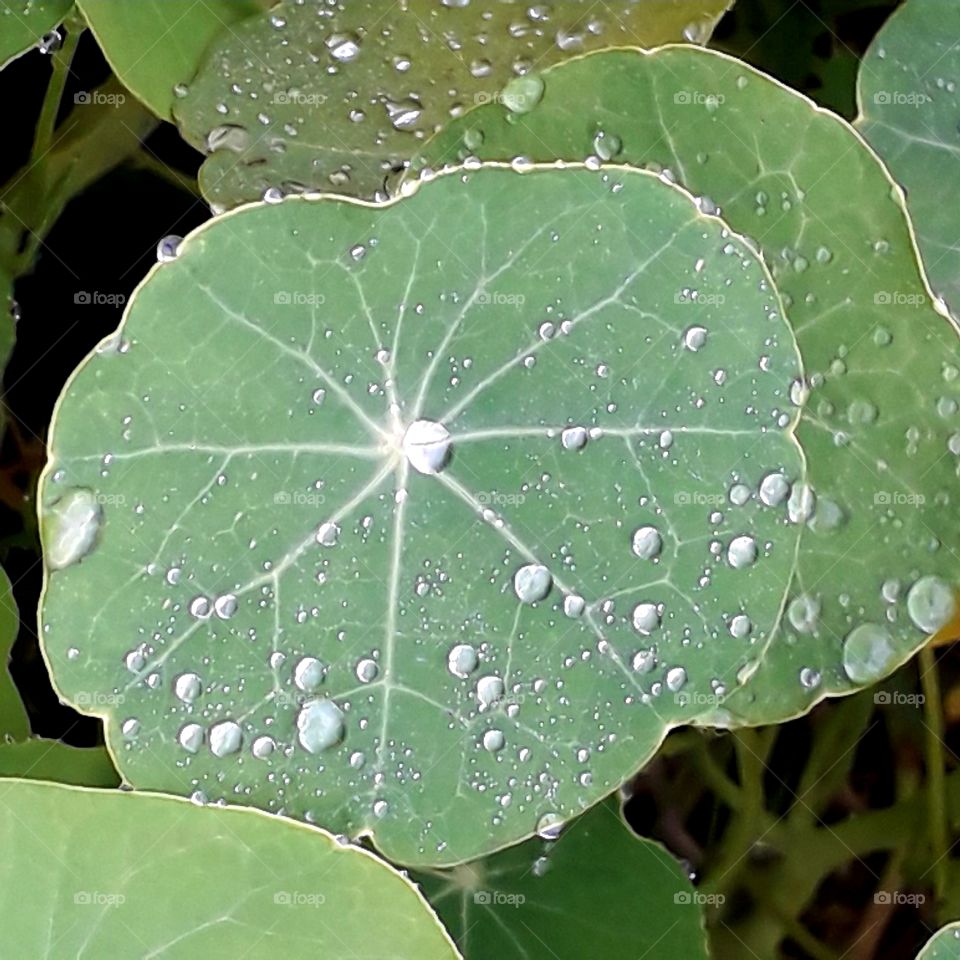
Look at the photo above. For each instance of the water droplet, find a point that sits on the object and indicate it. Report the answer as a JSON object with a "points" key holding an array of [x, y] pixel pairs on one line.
{"points": [[427, 446], [740, 626], [676, 677], [462, 660], [868, 653], [263, 747], [549, 826], [931, 604], [647, 543], [308, 674], [523, 93], [190, 737], [168, 248], [367, 670], [187, 687], [320, 725], [344, 47], [742, 552], [532, 582], [646, 618], [803, 613], [225, 738], [493, 740], [809, 678], [226, 606], [328, 533], [573, 605], [644, 661], [200, 608], [489, 690], [574, 438], [774, 489], [694, 338], [71, 526]]}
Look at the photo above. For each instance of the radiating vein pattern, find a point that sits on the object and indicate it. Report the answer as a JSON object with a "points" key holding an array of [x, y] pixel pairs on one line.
{"points": [[426, 520]]}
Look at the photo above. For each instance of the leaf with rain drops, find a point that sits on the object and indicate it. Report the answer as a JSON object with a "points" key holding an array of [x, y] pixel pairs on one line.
{"points": [[156, 48], [909, 111], [597, 891], [392, 517], [337, 96], [108, 873], [39, 759], [27, 24], [14, 724], [877, 568], [943, 945]]}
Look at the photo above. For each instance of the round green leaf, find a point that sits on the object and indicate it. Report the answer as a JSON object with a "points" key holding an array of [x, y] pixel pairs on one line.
{"points": [[14, 724], [909, 105], [39, 759], [155, 47], [258, 539], [311, 97], [115, 874], [943, 945], [23, 24], [880, 427], [598, 891]]}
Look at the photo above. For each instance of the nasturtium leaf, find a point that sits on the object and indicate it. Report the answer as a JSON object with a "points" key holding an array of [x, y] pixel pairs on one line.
{"points": [[39, 759], [14, 724], [909, 110], [943, 945], [386, 516], [155, 48], [336, 97], [880, 428], [109, 873], [598, 891], [24, 24]]}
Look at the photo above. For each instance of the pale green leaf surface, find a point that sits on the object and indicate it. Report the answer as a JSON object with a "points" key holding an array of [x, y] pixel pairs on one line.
{"points": [[880, 429], [24, 22], [39, 759], [14, 724], [943, 945], [309, 97], [598, 891], [230, 493], [909, 111], [155, 45], [119, 874]]}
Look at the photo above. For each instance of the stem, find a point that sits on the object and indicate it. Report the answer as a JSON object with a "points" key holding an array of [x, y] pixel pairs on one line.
{"points": [[145, 160], [47, 122], [933, 750]]}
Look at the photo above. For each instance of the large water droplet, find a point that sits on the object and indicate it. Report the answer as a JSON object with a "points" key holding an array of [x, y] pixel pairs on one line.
{"points": [[868, 653], [320, 725], [308, 674], [225, 738], [647, 543], [462, 660], [71, 526], [931, 604], [427, 446], [532, 582]]}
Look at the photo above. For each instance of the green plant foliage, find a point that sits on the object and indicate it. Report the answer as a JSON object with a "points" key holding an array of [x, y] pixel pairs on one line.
{"points": [[909, 105], [155, 47], [38, 759], [880, 426], [315, 607], [598, 891], [24, 23], [129, 884], [303, 97], [14, 724], [943, 945]]}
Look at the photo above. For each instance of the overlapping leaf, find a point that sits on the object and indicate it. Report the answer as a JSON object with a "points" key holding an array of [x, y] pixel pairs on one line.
{"points": [[273, 598], [327, 97], [24, 23], [909, 105], [39, 759], [154, 48], [598, 891], [880, 429], [114, 874], [14, 724], [943, 945]]}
